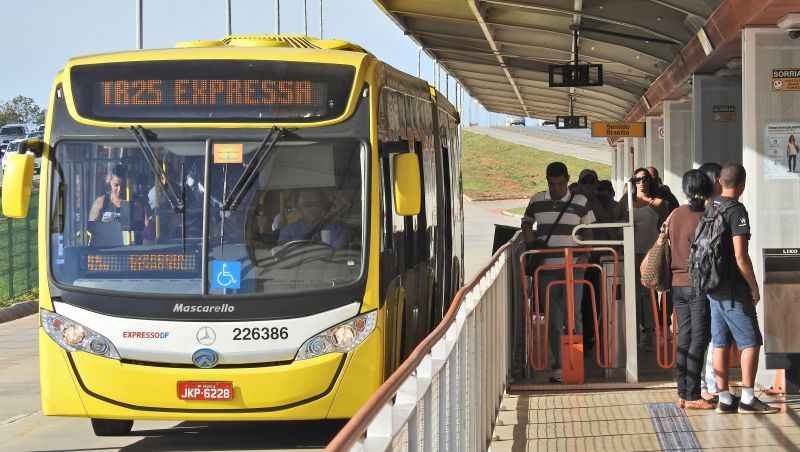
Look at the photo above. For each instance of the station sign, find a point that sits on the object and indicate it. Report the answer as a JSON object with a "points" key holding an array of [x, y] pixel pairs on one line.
{"points": [[724, 113], [787, 79], [618, 129]]}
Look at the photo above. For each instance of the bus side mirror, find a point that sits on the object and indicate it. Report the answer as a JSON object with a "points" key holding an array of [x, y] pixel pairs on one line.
{"points": [[17, 185], [407, 186]]}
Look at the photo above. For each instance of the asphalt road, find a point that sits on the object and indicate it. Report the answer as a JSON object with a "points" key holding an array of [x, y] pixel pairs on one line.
{"points": [[567, 146], [24, 428]]}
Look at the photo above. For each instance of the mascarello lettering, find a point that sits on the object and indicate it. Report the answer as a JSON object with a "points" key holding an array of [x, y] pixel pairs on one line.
{"points": [[207, 308]]}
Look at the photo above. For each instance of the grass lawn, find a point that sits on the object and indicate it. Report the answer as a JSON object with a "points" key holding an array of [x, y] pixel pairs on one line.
{"points": [[496, 169], [29, 295], [517, 211], [18, 257]]}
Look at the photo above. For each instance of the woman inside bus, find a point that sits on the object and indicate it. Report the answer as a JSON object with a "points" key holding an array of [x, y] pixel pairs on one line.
{"points": [[110, 214], [648, 214], [108, 206]]}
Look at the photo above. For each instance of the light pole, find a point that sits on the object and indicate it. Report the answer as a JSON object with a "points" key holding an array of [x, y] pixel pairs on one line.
{"points": [[277, 17], [305, 16], [320, 19], [139, 25], [419, 63], [228, 26]]}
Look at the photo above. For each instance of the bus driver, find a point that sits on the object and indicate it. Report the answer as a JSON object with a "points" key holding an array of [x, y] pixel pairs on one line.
{"points": [[314, 224]]}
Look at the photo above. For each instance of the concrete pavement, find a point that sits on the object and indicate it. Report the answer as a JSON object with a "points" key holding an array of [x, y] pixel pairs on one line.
{"points": [[24, 428]]}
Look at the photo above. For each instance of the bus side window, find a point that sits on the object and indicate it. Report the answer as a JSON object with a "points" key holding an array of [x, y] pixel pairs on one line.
{"points": [[387, 209], [428, 221]]}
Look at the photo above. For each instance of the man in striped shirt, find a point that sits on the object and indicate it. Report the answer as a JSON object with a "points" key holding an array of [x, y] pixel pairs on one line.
{"points": [[543, 212]]}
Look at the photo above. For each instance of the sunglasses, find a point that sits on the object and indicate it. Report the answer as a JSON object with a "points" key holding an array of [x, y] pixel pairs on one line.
{"points": [[636, 180]]}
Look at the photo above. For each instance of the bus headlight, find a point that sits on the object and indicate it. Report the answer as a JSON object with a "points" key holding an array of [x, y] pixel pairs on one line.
{"points": [[341, 338], [74, 337]]}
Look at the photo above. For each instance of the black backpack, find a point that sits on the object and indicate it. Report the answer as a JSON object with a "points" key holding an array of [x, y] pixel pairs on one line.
{"points": [[709, 260]]}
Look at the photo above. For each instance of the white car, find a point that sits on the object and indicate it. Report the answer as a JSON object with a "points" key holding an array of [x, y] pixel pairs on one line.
{"points": [[37, 161], [11, 132]]}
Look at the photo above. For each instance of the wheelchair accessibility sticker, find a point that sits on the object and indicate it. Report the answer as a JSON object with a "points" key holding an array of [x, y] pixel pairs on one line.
{"points": [[226, 275]]}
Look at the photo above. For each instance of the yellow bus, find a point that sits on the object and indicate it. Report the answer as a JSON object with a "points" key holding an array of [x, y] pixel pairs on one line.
{"points": [[260, 227]]}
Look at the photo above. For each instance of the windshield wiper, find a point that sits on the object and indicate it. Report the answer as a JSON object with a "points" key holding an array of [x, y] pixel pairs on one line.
{"points": [[250, 173], [140, 135]]}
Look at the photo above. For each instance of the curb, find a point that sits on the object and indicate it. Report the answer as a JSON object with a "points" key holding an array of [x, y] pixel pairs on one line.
{"points": [[19, 310], [508, 213]]}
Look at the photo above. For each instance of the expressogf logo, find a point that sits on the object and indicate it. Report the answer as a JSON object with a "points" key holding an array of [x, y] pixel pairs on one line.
{"points": [[145, 334]]}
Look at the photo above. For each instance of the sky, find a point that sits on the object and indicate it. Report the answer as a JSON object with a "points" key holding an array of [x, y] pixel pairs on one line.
{"points": [[64, 29]]}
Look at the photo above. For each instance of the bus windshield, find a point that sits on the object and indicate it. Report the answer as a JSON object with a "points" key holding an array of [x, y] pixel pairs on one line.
{"points": [[298, 226]]}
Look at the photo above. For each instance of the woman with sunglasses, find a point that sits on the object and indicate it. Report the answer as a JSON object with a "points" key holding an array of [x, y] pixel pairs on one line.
{"points": [[649, 211]]}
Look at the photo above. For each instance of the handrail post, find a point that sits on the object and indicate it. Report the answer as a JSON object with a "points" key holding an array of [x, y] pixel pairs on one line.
{"points": [[629, 270]]}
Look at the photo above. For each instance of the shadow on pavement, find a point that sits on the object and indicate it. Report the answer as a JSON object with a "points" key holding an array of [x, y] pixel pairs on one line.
{"points": [[206, 436], [237, 436]]}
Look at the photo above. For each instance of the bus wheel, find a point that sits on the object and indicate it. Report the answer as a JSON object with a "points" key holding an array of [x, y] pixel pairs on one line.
{"points": [[111, 427]]}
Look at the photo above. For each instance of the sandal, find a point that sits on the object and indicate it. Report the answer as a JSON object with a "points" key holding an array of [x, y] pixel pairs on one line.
{"points": [[699, 404]]}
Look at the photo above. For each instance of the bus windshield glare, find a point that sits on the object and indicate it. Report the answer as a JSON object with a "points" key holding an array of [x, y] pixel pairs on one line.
{"points": [[298, 227]]}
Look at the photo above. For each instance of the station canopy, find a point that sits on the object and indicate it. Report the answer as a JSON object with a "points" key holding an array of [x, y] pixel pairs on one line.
{"points": [[500, 50]]}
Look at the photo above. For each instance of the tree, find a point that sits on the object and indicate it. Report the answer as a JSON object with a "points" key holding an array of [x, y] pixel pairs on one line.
{"points": [[21, 109]]}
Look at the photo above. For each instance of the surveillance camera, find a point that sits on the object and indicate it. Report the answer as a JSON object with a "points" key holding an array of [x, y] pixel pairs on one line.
{"points": [[791, 23]]}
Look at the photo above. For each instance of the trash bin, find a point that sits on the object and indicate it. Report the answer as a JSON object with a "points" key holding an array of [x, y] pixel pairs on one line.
{"points": [[782, 313]]}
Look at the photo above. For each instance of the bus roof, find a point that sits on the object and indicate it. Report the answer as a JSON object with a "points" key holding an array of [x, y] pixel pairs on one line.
{"points": [[257, 47]]}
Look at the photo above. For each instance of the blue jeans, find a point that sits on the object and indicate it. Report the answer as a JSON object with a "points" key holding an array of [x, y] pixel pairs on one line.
{"points": [[692, 311], [736, 320]]}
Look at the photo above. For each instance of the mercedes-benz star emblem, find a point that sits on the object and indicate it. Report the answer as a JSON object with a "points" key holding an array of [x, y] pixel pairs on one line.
{"points": [[206, 335], [205, 358]]}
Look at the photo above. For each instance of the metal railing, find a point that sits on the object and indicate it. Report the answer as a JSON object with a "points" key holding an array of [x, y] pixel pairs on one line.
{"points": [[446, 394], [19, 262]]}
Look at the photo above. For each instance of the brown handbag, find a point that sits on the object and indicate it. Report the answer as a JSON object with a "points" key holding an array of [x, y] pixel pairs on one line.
{"points": [[655, 268]]}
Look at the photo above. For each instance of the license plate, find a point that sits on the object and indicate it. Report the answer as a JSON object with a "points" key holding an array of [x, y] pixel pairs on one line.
{"points": [[205, 390]]}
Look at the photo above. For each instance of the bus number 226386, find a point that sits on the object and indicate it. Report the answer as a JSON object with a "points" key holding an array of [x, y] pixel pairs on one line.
{"points": [[260, 334]]}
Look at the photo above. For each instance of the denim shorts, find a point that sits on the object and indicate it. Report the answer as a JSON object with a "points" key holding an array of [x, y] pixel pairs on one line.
{"points": [[737, 320]]}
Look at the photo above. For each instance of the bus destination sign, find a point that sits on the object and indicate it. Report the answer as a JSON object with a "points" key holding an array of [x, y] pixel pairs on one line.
{"points": [[173, 93], [211, 91]]}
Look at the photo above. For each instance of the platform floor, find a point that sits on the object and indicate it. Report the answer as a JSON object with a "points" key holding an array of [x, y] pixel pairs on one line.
{"points": [[641, 419]]}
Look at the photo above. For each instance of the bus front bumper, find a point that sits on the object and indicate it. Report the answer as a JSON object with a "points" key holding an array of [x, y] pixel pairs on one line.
{"points": [[332, 386]]}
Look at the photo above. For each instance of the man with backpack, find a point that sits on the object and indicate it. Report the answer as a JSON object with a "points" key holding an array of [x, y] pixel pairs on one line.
{"points": [[720, 265]]}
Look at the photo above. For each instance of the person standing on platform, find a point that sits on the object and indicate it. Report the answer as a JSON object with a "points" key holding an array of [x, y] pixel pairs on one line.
{"points": [[648, 213], [691, 306], [708, 383], [732, 289], [555, 212]]}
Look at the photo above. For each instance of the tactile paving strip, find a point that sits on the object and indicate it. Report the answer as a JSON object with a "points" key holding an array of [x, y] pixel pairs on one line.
{"points": [[672, 427]]}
